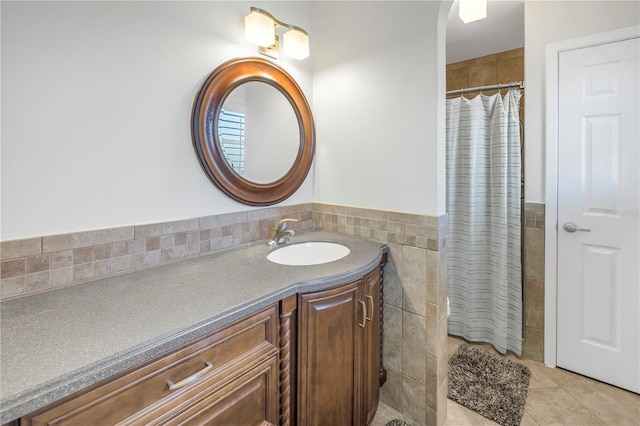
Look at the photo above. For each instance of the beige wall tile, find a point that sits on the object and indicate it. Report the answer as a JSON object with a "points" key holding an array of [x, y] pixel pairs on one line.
{"points": [[483, 75], [120, 263], [61, 276], [83, 255], [392, 337], [37, 263], [12, 268], [231, 218], [152, 243], [432, 321], [510, 69], [37, 281], [457, 78], [534, 303], [533, 345], [431, 416], [157, 229], [442, 350], [61, 259], [442, 402], [414, 341], [432, 382], [392, 277], [102, 252], [20, 248], [433, 276], [391, 391], [83, 271], [442, 283], [414, 275], [102, 267], [413, 401], [534, 253], [119, 249], [86, 239], [12, 286], [137, 246]]}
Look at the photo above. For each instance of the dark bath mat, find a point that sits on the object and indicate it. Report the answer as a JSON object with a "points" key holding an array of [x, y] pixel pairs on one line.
{"points": [[397, 422], [489, 384]]}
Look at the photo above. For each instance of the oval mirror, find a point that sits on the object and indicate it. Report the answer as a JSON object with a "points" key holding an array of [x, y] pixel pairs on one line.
{"points": [[253, 131]]}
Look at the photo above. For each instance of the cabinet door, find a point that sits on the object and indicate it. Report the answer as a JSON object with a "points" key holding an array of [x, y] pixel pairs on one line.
{"points": [[371, 355], [330, 356]]}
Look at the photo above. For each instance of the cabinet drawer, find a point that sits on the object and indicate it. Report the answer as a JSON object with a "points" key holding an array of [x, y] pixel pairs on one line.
{"points": [[250, 399], [227, 350]]}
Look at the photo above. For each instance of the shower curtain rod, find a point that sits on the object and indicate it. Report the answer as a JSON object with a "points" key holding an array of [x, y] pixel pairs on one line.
{"points": [[518, 84]]}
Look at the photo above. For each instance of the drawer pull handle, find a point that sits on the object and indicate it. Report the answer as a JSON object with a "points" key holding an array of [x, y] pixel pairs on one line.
{"points": [[370, 298], [364, 314], [184, 382]]}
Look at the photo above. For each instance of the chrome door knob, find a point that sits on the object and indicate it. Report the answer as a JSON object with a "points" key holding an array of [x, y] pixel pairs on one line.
{"points": [[572, 227]]}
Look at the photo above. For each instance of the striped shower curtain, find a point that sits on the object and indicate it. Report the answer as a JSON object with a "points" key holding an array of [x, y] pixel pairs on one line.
{"points": [[483, 203]]}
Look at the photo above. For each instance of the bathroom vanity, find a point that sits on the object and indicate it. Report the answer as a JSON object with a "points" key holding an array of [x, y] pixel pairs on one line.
{"points": [[226, 339]]}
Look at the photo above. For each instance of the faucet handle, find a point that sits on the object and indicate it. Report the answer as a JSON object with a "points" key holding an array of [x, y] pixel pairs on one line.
{"points": [[282, 225]]}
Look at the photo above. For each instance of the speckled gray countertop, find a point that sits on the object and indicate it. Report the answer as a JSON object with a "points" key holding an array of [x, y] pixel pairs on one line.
{"points": [[56, 343]]}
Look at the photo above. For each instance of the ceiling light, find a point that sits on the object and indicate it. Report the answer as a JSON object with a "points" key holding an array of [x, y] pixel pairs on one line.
{"points": [[472, 10]]}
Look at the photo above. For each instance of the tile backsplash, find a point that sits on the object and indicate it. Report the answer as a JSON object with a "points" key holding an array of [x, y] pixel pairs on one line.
{"points": [[42, 263]]}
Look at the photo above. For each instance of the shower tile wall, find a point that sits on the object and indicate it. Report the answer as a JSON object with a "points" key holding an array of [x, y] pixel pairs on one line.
{"points": [[503, 67], [498, 68]]}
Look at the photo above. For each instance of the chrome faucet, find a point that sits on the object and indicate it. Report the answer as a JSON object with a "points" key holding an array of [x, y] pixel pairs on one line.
{"points": [[283, 234]]}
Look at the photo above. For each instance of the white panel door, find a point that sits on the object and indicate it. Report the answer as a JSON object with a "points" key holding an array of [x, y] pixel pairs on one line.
{"points": [[598, 325]]}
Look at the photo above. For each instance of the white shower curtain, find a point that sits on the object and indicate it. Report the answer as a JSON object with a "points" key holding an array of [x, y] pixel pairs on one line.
{"points": [[483, 203]]}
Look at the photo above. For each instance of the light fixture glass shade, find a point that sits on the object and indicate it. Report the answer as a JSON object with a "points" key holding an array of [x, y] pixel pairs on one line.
{"points": [[296, 44], [259, 29], [472, 10]]}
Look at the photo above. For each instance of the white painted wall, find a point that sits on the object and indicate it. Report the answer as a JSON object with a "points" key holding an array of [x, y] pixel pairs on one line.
{"points": [[96, 106], [377, 105], [547, 22], [96, 100]]}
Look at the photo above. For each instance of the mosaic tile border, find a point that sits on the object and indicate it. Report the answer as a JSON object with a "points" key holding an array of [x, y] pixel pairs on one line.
{"points": [[39, 264]]}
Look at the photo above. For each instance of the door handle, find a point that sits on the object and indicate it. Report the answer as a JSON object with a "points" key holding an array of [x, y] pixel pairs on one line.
{"points": [[572, 227]]}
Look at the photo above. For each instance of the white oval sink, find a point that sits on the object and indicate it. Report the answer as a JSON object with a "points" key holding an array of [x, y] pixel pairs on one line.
{"points": [[309, 253]]}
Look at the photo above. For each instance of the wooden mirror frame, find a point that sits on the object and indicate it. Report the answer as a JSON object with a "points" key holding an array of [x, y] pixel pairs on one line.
{"points": [[204, 131]]}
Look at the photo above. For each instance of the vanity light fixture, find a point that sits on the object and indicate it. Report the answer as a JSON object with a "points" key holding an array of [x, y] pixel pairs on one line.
{"points": [[472, 10], [260, 28]]}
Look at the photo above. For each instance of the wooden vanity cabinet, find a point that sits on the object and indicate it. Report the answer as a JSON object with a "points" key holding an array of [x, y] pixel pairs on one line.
{"points": [[339, 334], [231, 373], [312, 359]]}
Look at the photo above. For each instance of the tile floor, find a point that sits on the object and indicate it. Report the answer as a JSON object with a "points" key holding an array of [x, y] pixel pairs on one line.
{"points": [[555, 397]]}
